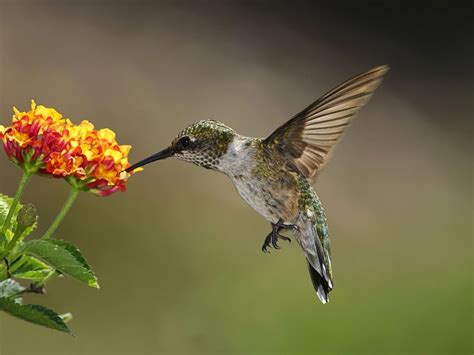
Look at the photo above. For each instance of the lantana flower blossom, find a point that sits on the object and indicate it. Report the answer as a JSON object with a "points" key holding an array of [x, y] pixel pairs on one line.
{"points": [[42, 140]]}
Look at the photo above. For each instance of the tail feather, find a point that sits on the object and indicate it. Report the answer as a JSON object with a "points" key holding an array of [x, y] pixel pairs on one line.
{"points": [[318, 257], [320, 284]]}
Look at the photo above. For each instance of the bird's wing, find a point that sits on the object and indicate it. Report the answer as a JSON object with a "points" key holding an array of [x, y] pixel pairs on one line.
{"points": [[308, 139]]}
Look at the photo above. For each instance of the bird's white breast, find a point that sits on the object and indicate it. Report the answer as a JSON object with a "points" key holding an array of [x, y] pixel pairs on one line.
{"points": [[239, 158], [239, 163]]}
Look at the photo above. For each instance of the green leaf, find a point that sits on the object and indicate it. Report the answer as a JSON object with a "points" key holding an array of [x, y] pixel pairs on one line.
{"points": [[10, 288], [5, 203], [72, 249], [35, 314], [64, 257], [31, 268], [66, 317]]}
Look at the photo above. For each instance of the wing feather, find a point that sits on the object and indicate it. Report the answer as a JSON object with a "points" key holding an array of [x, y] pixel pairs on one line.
{"points": [[308, 139]]}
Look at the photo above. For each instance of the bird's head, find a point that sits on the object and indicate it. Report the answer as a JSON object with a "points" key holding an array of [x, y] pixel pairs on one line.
{"points": [[202, 143]]}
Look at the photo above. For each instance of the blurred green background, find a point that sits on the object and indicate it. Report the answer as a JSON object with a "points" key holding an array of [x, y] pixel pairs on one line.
{"points": [[178, 255]]}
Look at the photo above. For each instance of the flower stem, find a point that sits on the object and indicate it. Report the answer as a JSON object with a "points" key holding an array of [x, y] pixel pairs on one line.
{"points": [[52, 274], [62, 213], [19, 192], [18, 233]]}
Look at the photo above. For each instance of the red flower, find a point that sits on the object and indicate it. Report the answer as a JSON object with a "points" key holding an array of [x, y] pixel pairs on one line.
{"points": [[41, 140]]}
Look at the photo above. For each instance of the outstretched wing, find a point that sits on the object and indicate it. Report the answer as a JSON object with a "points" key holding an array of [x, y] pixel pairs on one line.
{"points": [[308, 139]]}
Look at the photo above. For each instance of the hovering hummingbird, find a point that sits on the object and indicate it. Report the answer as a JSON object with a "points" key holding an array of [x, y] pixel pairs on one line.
{"points": [[274, 174]]}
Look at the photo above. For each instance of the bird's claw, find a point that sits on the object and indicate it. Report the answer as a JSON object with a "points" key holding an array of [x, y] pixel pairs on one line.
{"points": [[272, 238], [275, 243], [284, 238], [267, 242]]}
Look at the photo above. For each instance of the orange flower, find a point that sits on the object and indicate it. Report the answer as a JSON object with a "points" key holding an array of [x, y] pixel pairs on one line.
{"points": [[95, 159], [89, 159], [32, 134]]}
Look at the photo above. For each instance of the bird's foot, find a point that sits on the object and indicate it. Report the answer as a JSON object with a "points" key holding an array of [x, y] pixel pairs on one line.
{"points": [[269, 240], [280, 225], [272, 238]]}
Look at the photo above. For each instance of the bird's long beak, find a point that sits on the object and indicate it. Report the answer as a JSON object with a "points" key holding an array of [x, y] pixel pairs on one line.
{"points": [[165, 153]]}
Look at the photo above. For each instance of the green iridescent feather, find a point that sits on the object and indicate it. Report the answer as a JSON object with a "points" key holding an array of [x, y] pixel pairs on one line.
{"points": [[310, 202]]}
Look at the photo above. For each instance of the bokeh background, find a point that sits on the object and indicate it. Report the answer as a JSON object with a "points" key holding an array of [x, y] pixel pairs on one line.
{"points": [[178, 255]]}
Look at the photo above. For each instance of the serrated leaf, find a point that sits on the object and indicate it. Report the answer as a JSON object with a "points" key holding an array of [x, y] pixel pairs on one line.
{"points": [[62, 256], [31, 268], [5, 203], [9, 288], [35, 314], [73, 250]]}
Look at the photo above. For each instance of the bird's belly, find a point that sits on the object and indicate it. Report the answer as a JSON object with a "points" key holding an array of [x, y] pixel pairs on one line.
{"points": [[270, 202]]}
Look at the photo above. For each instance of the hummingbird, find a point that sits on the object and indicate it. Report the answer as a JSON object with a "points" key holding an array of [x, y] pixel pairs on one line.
{"points": [[274, 175]]}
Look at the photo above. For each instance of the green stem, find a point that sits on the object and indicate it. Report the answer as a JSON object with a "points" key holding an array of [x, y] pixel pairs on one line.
{"points": [[52, 274], [13, 267], [19, 192], [33, 288], [62, 213], [18, 233]]}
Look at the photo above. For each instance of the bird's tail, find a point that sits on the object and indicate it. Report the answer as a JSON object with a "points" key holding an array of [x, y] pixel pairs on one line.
{"points": [[314, 239], [320, 284]]}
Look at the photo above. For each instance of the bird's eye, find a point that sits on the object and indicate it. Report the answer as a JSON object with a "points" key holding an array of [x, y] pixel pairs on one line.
{"points": [[185, 141]]}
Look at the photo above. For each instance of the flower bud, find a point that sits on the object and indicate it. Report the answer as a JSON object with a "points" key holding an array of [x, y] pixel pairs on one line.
{"points": [[27, 215]]}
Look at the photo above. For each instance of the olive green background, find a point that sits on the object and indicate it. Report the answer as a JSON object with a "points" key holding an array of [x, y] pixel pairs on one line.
{"points": [[178, 255]]}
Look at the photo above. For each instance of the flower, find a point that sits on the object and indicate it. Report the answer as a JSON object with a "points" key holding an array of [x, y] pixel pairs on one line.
{"points": [[32, 134], [94, 159], [43, 141]]}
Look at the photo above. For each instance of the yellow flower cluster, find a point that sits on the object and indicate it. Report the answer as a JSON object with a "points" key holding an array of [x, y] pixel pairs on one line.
{"points": [[85, 156]]}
